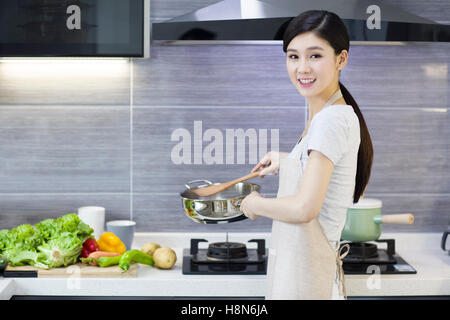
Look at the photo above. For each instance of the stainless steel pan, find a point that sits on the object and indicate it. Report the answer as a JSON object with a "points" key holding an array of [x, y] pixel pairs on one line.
{"points": [[223, 207]]}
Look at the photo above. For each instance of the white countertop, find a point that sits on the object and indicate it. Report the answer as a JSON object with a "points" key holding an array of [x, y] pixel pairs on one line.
{"points": [[421, 250]]}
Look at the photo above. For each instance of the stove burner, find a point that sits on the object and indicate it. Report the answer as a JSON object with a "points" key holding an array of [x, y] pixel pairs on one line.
{"points": [[363, 250], [225, 258], [226, 251]]}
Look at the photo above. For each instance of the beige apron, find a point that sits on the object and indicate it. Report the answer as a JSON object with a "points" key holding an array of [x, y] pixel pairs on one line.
{"points": [[302, 263]]}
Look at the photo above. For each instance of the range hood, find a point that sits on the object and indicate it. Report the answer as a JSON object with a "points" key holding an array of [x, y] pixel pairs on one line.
{"points": [[265, 20]]}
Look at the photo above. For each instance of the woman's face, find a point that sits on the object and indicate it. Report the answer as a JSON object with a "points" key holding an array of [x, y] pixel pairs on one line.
{"points": [[312, 65]]}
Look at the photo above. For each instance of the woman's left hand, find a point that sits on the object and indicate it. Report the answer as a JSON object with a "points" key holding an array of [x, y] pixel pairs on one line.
{"points": [[248, 205]]}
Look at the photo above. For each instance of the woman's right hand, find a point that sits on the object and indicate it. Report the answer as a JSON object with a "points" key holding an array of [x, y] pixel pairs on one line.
{"points": [[270, 163]]}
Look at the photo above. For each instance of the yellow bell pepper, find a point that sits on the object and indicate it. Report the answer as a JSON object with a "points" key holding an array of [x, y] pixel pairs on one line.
{"points": [[109, 242]]}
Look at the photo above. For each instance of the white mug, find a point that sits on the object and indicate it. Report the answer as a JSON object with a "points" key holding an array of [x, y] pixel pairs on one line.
{"points": [[94, 217]]}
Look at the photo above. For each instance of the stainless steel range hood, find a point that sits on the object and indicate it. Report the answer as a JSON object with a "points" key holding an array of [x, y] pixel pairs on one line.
{"points": [[266, 20]]}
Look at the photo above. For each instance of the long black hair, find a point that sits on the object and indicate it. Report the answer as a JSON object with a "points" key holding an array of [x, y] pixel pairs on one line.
{"points": [[329, 26]]}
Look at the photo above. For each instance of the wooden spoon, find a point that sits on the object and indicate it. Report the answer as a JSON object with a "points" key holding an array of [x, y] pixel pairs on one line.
{"points": [[211, 190]]}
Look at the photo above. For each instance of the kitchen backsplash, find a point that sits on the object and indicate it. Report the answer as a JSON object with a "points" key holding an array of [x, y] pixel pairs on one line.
{"points": [[108, 133]]}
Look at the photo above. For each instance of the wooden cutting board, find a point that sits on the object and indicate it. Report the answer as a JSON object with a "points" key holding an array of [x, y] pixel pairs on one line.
{"points": [[76, 270]]}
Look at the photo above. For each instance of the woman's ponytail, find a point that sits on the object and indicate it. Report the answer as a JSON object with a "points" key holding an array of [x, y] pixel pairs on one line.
{"points": [[365, 152]]}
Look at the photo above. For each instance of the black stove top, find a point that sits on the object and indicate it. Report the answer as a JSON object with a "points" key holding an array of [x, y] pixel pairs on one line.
{"points": [[367, 258], [235, 258], [225, 258]]}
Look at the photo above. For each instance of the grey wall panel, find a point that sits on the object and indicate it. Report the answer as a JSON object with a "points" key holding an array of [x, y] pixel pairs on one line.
{"points": [[414, 75], [410, 162], [160, 213], [31, 208], [214, 75], [157, 170], [64, 149], [411, 150], [56, 83], [430, 211]]}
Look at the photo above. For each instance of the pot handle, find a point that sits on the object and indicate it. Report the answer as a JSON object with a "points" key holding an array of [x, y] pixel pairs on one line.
{"points": [[400, 218], [188, 185]]}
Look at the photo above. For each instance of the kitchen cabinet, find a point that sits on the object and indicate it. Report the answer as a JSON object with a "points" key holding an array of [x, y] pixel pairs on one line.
{"points": [[74, 28]]}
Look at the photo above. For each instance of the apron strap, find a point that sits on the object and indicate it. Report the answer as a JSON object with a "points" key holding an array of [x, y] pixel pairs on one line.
{"points": [[340, 269], [335, 97]]}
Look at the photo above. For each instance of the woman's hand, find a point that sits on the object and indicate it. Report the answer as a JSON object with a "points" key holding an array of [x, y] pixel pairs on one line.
{"points": [[270, 163], [248, 205]]}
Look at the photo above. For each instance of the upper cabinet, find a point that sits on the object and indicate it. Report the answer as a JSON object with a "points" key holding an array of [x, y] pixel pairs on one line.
{"points": [[74, 28]]}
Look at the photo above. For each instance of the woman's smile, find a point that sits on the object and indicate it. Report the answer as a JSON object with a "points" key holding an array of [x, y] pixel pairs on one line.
{"points": [[306, 82]]}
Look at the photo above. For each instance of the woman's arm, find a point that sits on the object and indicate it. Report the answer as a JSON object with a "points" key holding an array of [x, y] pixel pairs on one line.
{"points": [[304, 206]]}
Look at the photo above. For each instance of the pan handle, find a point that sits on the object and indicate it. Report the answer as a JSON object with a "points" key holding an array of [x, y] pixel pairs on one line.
{"points": [[188, 185]]}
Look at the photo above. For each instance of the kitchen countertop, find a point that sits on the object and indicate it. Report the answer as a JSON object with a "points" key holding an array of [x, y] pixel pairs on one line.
{"points": [[421, 250]]}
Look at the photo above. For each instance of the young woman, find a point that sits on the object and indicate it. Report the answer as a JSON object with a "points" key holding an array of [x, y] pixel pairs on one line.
{"points": [[326, 171]]}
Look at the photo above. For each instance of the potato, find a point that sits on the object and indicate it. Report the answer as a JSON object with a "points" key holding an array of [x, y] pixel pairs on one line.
{"points": [[149, 248], [164, 258]]}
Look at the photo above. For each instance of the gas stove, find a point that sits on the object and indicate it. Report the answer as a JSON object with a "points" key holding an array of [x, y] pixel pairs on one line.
{"points": [[234, 258], [225, 258], [367, 258]]}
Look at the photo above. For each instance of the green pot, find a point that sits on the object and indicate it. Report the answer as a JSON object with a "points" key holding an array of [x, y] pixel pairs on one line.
{"points": [[364, 221]]}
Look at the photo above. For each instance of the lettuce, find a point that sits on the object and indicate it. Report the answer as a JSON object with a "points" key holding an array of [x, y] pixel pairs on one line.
{"points": [[21, 257], [61, 251], [50, 243]]}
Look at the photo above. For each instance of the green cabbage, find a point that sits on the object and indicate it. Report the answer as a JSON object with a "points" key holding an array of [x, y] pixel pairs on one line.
{"points": [[50, 243]]}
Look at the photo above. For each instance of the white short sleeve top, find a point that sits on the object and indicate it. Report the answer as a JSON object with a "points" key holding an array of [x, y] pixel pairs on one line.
{"points": [[335, 132]]}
